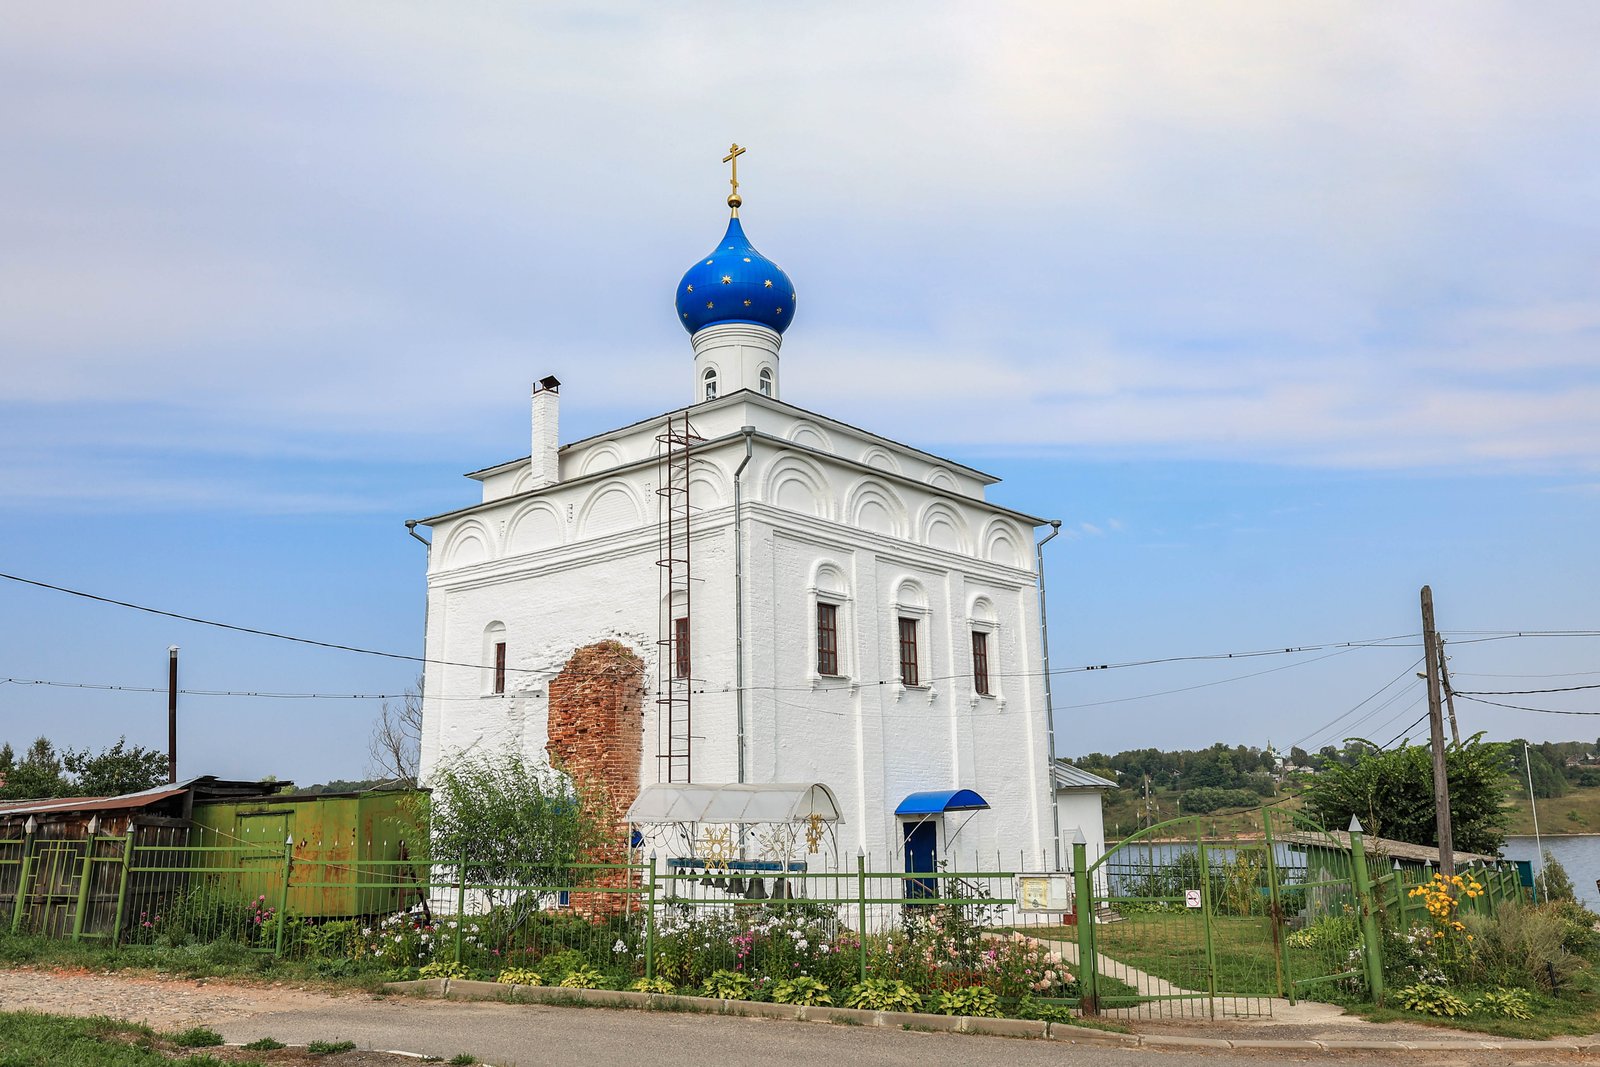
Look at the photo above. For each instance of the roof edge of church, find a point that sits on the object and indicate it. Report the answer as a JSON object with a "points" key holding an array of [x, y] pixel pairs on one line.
{"points": [[726, 438], [749, 395]]}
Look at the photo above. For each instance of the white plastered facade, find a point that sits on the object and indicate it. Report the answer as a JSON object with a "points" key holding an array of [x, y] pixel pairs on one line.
{"points": [[829, 513]]}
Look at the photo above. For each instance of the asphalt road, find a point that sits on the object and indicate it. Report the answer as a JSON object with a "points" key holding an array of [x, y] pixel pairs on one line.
{"points": [[536, 1035]]}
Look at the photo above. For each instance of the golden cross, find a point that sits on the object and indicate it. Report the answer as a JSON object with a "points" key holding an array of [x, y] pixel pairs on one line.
{"points": [[734, 200]]}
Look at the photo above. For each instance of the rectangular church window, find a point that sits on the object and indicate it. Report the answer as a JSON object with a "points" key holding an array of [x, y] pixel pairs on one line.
{"points": [[499, 667], [680, 647], [980, 663], [828, 639], [908, 652]]}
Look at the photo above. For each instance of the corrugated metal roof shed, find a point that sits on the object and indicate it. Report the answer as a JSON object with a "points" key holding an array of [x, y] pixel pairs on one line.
{"points": [[1069, 777]]}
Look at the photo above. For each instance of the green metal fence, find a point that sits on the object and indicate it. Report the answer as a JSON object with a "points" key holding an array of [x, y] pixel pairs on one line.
{"points": [[1171, 921]]}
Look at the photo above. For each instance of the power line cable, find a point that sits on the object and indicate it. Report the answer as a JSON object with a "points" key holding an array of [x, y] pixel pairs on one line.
{"points": [[1521, 692], [1522, 707], [1335, 721], [201, 692]]}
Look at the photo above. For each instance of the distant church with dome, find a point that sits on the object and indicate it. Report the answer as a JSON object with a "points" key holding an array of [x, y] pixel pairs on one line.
{"points": [[742, 590]]}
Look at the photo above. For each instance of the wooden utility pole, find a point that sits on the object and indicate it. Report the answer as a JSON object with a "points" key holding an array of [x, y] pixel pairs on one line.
{"points": [[1449, 695], [1441, 783], [172, 714]]}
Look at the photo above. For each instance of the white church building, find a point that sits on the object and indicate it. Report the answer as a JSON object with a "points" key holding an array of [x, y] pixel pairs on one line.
{"points": [[742, 590]]}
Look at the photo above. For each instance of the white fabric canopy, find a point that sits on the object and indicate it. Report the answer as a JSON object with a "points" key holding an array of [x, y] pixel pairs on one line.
{"points": [[767, 803]]}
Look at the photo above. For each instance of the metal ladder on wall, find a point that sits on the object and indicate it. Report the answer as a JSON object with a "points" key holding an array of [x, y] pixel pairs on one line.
{"points": [[674, 686]]}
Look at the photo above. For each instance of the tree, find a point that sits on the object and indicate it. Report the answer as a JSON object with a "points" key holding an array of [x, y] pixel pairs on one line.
{"points": [[516, 824], [1552, 882], [1391, 792], [116, 770], [37, 776], [395, 747]]}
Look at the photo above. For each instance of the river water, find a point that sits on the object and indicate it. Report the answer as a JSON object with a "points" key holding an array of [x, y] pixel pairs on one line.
{"points": [[1578, 853]]}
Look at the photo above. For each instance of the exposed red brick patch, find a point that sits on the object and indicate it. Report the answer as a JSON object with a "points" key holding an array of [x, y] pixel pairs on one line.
{"points": [[596, 734]]}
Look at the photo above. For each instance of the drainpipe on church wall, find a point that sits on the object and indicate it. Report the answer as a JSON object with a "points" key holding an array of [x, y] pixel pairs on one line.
{"points": [[738, 590], [1049, 703], [411, 528]]}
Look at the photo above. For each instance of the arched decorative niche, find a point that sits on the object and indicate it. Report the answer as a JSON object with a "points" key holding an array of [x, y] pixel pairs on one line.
{"points": [[708, 485], [796, 484], [811, 435], [523, 482], [942, 478], [470, 542], [881, 459], [873, 506], [611, 507], [602, 457], [1002, 544], [943, 527], [535, 527]]}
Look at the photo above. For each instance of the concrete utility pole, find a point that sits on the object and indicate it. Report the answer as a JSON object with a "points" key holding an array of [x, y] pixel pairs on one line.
{"points": [[1441, 783], [172, 714]]}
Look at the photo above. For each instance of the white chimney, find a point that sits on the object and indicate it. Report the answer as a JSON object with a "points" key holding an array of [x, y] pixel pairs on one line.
{"points": [[546, 434]]}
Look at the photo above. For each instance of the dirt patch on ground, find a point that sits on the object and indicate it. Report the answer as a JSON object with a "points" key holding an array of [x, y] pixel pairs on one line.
{"points": [[162, 1003]]}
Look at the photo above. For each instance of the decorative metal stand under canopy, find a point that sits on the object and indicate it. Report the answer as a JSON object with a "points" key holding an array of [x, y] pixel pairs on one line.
{"points": [[734, 834]]}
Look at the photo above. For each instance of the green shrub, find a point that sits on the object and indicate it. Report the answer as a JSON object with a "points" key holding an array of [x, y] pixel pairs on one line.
{"points": [[1431, 1000], [1522, 946], [337, 940], [265, 1044], [328, 1048], [975, 1000], [519, 976], [1030, 1007], [197, 1037], [1552, 882], [729, 985], [801, 990], [653, 985], [584, 977], [1511, 1003], [883, 994], [558, 965], [445, 969], [1578, 933]]}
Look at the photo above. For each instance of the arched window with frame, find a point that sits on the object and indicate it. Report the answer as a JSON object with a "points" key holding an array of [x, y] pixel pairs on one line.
{"points": [[766, 381], [710, 380]]}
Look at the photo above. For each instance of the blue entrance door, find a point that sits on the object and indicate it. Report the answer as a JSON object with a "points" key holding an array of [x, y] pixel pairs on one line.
{"points": [[922, 846]]}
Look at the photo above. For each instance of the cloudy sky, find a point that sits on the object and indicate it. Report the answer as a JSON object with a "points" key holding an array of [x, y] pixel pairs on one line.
{"points": [[1284, 309]]}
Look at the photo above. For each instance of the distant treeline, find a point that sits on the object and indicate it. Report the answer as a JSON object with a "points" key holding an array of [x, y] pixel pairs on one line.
{"points": [[1245, 769]]}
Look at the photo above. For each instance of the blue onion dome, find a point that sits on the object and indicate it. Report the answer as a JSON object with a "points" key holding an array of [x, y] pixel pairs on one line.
{"points": [[735, 283]]}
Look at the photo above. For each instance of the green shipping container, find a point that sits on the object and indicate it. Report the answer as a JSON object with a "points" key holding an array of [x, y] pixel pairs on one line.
{"points": [[350, 851]]}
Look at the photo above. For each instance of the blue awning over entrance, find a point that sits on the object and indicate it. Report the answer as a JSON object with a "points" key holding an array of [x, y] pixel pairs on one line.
{"points": [[936, 801]]}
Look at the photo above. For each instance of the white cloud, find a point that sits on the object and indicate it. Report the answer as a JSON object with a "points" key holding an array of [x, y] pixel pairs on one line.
{"points": [[1280, 234]]}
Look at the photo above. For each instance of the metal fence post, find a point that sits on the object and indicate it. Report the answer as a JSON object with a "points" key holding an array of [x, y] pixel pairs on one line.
{"points": [[861, 910], [122, 888], [461, 897], [650, 926], [1206, 905], [283, 894], [83, 887], [1083, 910], [21, 906], [1371, 943], [1275, 907]]}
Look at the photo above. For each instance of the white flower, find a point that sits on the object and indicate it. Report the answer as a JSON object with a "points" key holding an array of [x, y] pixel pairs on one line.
{"points": [[801, 944], [619, 947]]}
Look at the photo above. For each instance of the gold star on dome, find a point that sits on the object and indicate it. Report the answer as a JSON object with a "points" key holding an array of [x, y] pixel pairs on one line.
{"points": [[747, 259], [709, 262], [791, 298], [727, 279], [709, 305], [691, 288], [747, 303], [778, 312], [767, 283]]}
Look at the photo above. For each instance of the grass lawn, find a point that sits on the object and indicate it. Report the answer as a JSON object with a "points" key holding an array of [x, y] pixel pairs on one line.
{"points": [[1575, 1011], [31, 1040], [221, 959], [1171, 945]]}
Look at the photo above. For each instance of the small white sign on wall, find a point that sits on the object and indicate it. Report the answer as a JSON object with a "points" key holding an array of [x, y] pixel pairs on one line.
{"points": [[1191, 898], [1044, 892]]}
